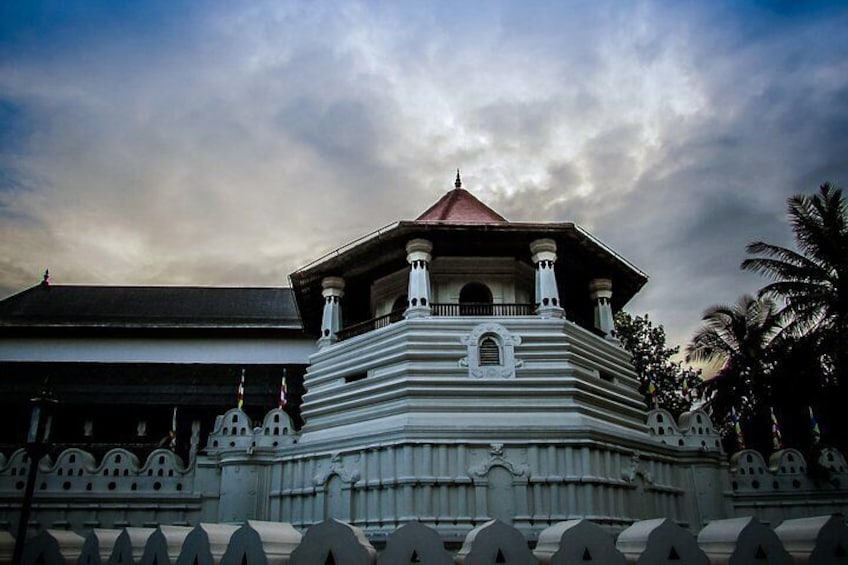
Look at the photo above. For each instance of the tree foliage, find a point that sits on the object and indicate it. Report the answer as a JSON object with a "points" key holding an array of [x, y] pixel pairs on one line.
{"points": [[787, 349], [813, 281], [742, 339], [653, 363]]}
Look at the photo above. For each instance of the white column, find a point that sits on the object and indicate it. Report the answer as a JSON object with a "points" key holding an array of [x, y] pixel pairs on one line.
{"points": [[331, 323], [418, 294], [547, 294], [601, 292]]}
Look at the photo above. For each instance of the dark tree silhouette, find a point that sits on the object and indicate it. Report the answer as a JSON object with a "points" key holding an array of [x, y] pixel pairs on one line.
{"points": [[652, 361], [812, 282], [741, 338]]}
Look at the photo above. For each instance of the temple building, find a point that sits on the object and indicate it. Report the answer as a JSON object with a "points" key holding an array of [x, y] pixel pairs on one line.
{"points": [[449, 369]]}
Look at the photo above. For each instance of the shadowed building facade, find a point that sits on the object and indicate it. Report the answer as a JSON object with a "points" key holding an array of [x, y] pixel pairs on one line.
{"points": [[449, 369]]}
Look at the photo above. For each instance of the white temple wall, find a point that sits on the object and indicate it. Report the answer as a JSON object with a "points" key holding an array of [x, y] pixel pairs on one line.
{"points": [[555, 363], [450, 485], [454, 486]]}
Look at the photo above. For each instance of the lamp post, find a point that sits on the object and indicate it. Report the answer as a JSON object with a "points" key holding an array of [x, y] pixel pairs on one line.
{"points": [[38, 437]]}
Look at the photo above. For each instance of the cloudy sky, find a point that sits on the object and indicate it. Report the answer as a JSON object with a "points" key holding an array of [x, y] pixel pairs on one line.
{"points": [[228, 143]]}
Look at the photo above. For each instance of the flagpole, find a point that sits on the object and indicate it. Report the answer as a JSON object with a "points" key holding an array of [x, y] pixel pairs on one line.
{"points": [[815, 426], [283, 391], [737, 427], [776, 438], [173, 432], [240, 397]]}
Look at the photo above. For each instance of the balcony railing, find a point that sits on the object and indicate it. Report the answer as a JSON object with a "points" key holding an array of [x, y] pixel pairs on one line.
{"points": [[483, 309], [466, 309], [371, 325]]}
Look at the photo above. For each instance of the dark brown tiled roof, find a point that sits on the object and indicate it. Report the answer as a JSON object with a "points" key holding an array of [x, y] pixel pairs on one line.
{"points": [[150, 307], [461, 207]]}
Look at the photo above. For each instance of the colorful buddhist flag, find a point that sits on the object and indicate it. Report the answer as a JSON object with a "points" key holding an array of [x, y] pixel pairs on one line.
{"points": [[172, 434], [737, 427], [283, 391], [815, 425], [652, 390], [241, 390], [776, 438], [685, 388]]}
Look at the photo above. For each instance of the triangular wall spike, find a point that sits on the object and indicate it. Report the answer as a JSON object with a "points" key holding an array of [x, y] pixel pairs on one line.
{"points": [[761, 553], [414, 558], [673, 555], [586, 555], [331, 559], [500, 558]]}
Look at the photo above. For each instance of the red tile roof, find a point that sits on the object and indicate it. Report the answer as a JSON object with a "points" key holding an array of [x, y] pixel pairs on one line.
{"points": [[460, 207]]}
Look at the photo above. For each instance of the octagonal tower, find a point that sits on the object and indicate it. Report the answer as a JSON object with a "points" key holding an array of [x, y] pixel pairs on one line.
{"points": [[469, 370]]}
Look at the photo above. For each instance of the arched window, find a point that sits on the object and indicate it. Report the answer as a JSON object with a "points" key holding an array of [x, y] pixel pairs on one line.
{"points": [[490, 351], [475, 299]]}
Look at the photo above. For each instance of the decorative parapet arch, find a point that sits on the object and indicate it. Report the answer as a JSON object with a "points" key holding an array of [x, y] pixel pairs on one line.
{"points": [[786, 473], [163, 463], [73, 462], [787, 462], [833, 460], [233, 432], [118, 462], [694, 429]]}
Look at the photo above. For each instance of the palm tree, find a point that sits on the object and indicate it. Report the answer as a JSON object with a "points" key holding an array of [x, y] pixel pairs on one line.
{"points": [[742, 339], [813, 281]]}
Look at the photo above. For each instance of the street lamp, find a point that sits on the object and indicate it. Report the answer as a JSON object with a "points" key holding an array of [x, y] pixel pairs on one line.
{"points": [[38, 437]]}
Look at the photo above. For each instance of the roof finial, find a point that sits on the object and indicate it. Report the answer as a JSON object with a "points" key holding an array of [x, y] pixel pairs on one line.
{"points": [[458, 183], [45, 280]]}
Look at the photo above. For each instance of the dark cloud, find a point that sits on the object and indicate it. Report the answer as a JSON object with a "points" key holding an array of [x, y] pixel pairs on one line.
{"points": [[229, 144]]}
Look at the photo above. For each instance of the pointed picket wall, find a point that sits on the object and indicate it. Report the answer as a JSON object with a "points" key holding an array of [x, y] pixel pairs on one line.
{"points": [[262, 543], [53, 547], [495, 542], [816, 540], [739, 541], [206, 544], [658, 541], [164, 545], [334, 543], [129, 546], [576, 541], [98, 546], [415, 543]]}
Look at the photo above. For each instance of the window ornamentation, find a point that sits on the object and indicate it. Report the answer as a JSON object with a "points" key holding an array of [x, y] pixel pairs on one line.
{"points": [[491, 352]]}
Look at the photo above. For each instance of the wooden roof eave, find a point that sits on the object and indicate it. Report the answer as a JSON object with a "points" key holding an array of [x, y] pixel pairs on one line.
{"points": [[384, 250]]}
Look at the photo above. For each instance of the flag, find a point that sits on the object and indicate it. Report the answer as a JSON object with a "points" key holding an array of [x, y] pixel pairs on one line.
{"points": [[652, 390], [815, 425], [241, 390], [172, 434], [737, 427], [283, 390], [685, 388], [776, 439]]}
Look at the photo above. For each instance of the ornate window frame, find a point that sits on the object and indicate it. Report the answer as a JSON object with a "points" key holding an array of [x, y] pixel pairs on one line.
{"points": [[506, 344]]}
